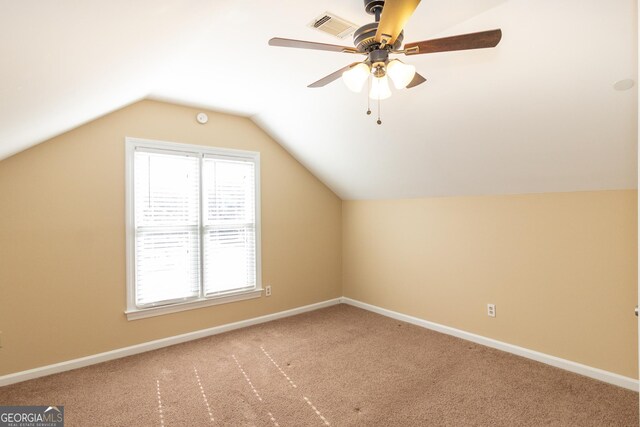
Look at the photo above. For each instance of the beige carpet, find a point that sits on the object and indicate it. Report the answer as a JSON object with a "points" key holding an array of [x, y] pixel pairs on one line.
{"points": [[339, 366]]}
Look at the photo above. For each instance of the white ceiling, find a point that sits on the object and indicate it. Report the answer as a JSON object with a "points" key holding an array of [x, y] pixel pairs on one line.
{"points": [[538, 113]]}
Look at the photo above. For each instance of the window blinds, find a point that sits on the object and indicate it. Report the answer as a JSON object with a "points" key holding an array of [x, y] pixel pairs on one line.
{"points": [[167, 221], [229, 225], [195, 226]]}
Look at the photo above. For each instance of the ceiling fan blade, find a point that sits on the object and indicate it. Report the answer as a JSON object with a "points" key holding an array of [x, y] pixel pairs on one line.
{"points": [[395, 14], [332, 77], [417, 79], [479, 40], [301, 44]]}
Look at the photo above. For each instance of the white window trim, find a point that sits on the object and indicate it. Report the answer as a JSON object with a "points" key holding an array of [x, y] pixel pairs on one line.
{"points": [[133, 312]]}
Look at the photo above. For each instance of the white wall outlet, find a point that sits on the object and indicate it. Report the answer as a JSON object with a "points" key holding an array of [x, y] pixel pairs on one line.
{"points": [[267, 291], [491, 310]]}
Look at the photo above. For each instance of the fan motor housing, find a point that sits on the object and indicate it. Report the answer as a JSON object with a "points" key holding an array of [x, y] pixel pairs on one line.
{"points": [[364, 38]]}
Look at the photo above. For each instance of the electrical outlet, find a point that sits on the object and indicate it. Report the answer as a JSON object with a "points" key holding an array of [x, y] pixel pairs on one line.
{"points": [[267, 291], [491, 310]]}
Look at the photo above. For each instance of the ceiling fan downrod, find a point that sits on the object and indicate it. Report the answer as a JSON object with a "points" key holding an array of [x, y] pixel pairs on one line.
{"points": [[374, 7]]}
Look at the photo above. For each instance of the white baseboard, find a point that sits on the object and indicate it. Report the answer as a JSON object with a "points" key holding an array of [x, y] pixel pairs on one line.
{"points": [[152, 345], [578, 368], [568, 365]]}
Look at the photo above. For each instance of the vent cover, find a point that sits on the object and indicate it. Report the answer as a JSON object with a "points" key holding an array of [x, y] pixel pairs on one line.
{"points": [[331, 24]]}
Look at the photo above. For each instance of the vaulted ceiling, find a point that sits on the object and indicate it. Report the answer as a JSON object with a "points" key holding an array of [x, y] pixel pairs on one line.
{"points": [[538, 113]]}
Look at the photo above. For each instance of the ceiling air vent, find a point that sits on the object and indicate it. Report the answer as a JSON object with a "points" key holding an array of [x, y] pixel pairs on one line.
{"points": [[331, 24]]}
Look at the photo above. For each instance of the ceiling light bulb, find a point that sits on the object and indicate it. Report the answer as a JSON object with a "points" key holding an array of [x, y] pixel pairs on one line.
{"points": [[401, 74], [356, 76], [380, 88]]}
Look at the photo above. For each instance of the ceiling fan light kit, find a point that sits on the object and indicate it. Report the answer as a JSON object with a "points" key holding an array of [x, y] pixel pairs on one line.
{"points": [[380, 88], [355, 77], [379, 39], [400, 73]]}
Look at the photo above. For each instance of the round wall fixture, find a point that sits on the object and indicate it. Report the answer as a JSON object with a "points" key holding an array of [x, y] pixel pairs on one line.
{"points": [[625, 84], [202, 118]]}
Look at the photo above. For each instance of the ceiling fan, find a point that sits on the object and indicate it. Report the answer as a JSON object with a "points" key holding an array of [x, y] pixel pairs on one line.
{"points": [[382, 38]]}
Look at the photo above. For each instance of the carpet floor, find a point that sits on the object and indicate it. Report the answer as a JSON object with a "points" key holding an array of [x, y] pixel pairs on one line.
{"points": [[339, 366]]}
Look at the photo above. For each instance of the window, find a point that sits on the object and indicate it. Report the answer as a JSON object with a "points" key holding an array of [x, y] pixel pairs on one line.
{"points": [[193, 234]]}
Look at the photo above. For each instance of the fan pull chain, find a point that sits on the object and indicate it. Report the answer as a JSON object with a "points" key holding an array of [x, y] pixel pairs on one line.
{"points": [[369, 102], [368, 99]]}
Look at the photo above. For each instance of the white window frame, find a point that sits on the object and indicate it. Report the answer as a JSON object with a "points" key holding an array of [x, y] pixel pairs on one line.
{"points": [[134, 312]]}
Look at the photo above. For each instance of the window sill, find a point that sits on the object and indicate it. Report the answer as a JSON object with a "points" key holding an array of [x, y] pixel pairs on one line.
{"points": [[141, 313]]}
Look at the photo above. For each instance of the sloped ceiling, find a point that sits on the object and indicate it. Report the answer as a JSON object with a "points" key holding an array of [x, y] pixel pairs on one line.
{"points": [[536, 114]]}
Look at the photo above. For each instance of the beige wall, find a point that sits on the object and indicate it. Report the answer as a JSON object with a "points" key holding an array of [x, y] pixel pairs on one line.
{"points": [[561, 268], [62, 237]]}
